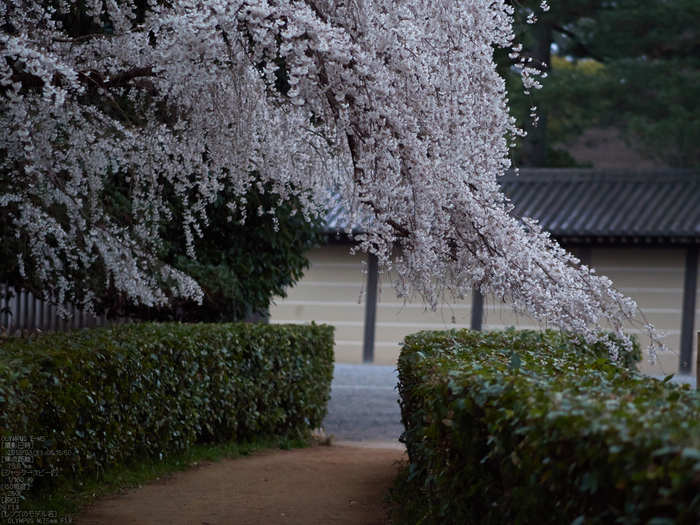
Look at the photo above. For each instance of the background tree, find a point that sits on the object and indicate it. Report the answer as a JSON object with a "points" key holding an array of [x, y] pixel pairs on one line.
{"points": [[398, 107], [240, 266], [632, 64]]}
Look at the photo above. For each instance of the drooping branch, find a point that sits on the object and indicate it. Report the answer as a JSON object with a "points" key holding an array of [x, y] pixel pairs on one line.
{"points": [[408, 92], [93, 79]]}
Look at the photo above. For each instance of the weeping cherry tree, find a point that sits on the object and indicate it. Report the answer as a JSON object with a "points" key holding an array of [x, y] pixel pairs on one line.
{"points": [[394, 105]]}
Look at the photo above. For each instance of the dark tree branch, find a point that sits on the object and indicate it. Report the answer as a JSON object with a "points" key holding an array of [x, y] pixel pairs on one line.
{"points": [[123, 79], [133, 78], [580, 45]]}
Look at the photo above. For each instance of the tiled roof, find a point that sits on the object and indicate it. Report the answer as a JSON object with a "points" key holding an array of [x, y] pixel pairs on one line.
{"points": [[591, 204], [608, 203]]}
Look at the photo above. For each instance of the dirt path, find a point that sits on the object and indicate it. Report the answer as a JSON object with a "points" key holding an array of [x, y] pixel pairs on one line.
{"points": [[339, 485]]}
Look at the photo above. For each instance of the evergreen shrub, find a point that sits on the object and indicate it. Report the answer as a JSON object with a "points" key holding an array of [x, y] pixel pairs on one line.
{"points": [[103, 397], [539, 428]]}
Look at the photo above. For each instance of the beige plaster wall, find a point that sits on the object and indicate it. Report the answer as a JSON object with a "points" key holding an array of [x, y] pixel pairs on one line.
{"points": [[331, 288], [330, 291], [654, 278]]}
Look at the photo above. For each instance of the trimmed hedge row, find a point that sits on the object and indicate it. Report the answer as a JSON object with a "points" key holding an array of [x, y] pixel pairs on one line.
{"points": [[105, 396], [531, 428]]}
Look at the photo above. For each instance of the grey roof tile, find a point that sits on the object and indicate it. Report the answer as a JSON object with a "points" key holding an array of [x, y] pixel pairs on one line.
{"points": [[661, 204], [608, 203]]}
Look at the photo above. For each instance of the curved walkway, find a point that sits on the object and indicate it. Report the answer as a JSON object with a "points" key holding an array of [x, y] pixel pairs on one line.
{"points": [[342, 484]]}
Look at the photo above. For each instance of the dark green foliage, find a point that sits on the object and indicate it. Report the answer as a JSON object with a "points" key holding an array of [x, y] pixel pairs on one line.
{"points": [[647, 82], [528, 428], [240, 265], [111, 395]]}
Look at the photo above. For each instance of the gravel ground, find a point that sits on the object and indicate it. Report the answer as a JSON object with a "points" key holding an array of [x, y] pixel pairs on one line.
{"points": [[364, 404]]}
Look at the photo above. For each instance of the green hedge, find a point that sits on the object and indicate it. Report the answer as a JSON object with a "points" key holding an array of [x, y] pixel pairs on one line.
{"points": [[106, 396], [531, 428]]}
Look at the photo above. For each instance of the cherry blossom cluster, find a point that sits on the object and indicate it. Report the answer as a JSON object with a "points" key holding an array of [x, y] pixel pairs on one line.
{"points": [[394, 105]]}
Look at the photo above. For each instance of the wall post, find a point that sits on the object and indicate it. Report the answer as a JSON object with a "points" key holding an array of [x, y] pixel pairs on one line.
{"points": [[370, 308], [688, 316], [477, 310]]}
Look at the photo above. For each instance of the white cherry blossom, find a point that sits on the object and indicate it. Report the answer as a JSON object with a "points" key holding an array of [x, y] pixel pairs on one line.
{"points": [[395, 105]]}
